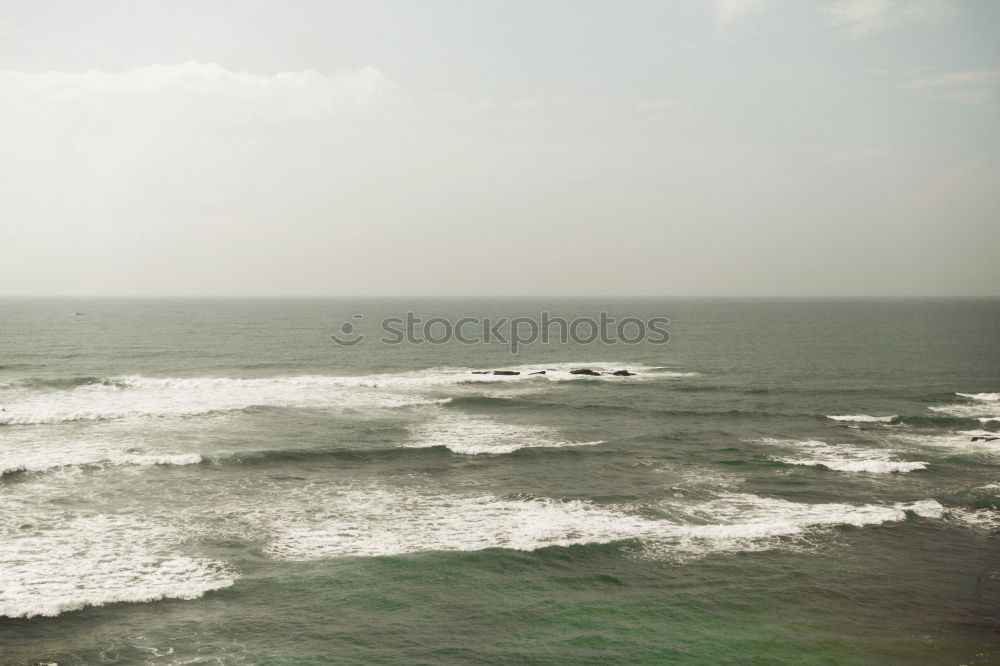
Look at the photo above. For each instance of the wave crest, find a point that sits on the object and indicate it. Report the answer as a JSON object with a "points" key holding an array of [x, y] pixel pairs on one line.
{"points": [[475, 436], [90, 399], [97, 560], [378, 522], [814, 453], [863, 418], [991, 397]]}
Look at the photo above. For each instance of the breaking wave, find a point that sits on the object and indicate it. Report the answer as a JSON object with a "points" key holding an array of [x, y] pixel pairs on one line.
{"points": [[379, 522], [474, 436], [992, 397], [863, 418], [90, 398], [97, 560], [814, 453]]}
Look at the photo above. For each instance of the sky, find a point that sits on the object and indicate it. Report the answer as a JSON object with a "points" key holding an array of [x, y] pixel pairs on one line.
{"points": [[516, 148]]}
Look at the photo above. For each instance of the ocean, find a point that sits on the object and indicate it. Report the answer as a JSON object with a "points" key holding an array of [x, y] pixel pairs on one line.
{"points": [[219, 482]]}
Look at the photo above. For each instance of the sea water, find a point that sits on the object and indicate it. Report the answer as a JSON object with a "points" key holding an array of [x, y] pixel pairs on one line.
{"points": [[219, 482]]}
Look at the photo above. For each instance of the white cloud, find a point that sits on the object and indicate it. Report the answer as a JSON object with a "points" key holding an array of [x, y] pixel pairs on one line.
{"points": [[862, 18], [207, 87], [973, 87], [154, 160], [973, 77], [728, 11], [930, 10], [195, 178]]}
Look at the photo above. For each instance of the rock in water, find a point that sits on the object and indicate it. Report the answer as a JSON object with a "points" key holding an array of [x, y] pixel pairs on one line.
{"points": [[540, 372], [585, 371], [623, 373], [506, 372]]}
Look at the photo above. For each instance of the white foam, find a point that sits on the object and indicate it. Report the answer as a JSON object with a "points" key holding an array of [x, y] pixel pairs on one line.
{"points": [[993, 397], [979, 433], [814, 453], [982, 410], [560, 372], [138, 396], [44, 454], [950, 442], [871, 466], [165, 459], [379, 521], [668, 372], [148, 396], [863, 418], [93, 560], [473, 436], [54, 559], [982, 519], [742, 521], [46, 448]]}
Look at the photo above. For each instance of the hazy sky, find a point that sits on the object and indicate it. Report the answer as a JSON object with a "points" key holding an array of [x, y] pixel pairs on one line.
{"points": [[646, 147]]}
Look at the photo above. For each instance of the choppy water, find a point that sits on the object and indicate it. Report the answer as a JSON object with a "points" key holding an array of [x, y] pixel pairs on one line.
{"points": [[217, 482]]}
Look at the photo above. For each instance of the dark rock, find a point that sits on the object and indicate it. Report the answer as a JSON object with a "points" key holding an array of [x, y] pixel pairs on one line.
{"points": [[540, 372], [506, 372], [984, 438], [480, 372], [623, 373], [585, 371]]}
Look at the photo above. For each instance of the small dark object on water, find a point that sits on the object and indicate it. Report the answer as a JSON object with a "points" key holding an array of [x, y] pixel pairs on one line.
{"points": [[506, 372], [480, 372], [585, 371], [540, 372], [984, 438], [623, 373]]}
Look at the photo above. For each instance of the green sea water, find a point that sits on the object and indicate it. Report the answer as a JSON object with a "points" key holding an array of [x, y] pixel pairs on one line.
{"points": [[217, 482]]}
